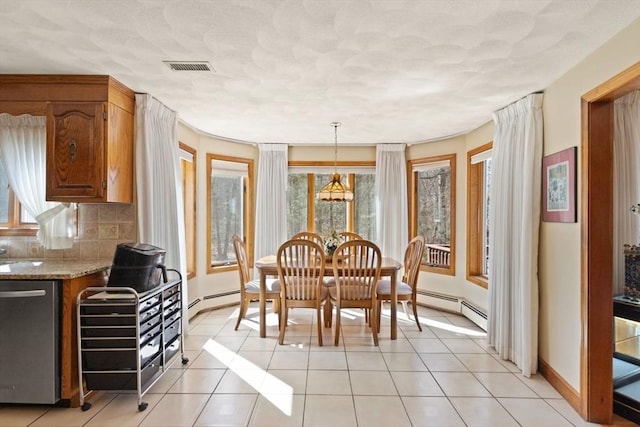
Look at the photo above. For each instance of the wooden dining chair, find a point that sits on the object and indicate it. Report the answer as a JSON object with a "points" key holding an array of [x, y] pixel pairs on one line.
{"points": [[356, 280], [407, 288], [250, 289], [349, 235], [309, 235], [301, 265]]}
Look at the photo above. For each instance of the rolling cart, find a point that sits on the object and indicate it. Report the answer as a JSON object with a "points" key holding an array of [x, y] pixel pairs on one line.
{"points": [[127, 339]]}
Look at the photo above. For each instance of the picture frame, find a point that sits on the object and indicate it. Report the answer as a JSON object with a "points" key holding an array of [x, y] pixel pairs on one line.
{"points": [[559, 186]]}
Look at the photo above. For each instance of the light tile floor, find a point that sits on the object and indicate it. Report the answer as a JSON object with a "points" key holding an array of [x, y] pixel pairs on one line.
{"points": [[442, 376]]}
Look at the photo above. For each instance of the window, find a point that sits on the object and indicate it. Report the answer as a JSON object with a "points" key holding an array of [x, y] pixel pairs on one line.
{"points": [[228, 208], [14, 219], [478, 185], [432, 186], [305, 212], [188, 168]]}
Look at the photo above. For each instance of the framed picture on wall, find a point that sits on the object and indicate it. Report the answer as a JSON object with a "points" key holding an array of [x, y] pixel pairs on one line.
{"points": [[559, 186]]}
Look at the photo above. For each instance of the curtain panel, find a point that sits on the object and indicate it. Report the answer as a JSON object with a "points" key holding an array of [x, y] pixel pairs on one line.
{"points": [[514, 220], [23, 152], [271, 199], [160, 210], [626, 181], [391, 200]]}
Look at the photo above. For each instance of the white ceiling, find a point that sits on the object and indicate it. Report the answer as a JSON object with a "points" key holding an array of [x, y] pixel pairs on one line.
{"points": [[390, 71]]}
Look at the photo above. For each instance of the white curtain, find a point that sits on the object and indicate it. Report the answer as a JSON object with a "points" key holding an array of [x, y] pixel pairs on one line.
{"points": [[626, 181], [271, 199], [23, 142], [391, 200], [159, 185], [514, 220]]}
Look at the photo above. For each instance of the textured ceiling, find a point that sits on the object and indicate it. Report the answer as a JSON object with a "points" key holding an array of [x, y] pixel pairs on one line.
{"points": [[390, 71]]}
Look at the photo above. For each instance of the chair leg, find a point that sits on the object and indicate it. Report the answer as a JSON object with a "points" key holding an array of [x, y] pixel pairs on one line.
{"points": [[319, 321], [406, 310], [337, 333], [328, 313], [283, 321], [276, 309], [415, 314], [244, 304], [374, 326], [378, 314]]}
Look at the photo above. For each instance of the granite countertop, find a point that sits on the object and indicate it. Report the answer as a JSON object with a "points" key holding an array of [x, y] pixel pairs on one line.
{"points": [[44, 269]]}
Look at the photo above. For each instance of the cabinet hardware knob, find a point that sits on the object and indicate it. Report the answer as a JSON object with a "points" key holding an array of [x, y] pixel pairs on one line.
{"points": [[72, 149]]}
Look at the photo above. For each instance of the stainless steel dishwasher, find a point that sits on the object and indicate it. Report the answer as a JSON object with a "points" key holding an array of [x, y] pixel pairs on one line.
{"points": [[29, 341]]}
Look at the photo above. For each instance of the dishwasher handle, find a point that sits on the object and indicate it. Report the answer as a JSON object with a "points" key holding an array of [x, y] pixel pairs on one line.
{"points": [[23, 294]]}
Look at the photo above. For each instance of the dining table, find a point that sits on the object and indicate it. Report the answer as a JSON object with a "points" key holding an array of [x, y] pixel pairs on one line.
{"points": [[268, 266]]}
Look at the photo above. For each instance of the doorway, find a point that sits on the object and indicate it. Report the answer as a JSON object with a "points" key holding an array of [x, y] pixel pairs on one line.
{"points": [[596, 373]]}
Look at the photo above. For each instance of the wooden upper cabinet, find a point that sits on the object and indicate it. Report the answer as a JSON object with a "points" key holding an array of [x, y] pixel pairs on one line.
{"points": [[75, 150], [89, 133]]}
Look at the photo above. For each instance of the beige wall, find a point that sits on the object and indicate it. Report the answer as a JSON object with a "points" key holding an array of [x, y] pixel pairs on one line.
{"points": [[559, 267]]}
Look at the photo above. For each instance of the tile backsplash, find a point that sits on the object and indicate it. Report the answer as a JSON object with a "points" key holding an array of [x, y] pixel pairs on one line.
{"points": [[101, 226]]}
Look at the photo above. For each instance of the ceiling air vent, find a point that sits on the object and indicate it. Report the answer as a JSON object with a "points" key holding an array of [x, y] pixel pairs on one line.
{"points": [[189, 65]]}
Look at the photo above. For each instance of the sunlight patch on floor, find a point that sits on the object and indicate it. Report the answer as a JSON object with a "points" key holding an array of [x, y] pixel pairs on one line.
{"points": [[276, 391]]}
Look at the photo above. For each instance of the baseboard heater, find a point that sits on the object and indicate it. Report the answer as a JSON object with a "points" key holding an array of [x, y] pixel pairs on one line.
{"points": [[457, 305], [220, 295], [474, 314]]}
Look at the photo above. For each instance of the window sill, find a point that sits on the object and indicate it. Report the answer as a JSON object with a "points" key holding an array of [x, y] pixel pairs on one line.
{"points": [[18, 231], [448, 271], [481, 281]]}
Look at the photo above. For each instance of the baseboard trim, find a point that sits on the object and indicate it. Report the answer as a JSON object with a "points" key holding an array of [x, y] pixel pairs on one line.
{"points": [[570, 394]]}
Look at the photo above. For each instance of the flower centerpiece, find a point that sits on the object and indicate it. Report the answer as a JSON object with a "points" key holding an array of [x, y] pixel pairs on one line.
{"points": [[331, 242], [632, 265]]}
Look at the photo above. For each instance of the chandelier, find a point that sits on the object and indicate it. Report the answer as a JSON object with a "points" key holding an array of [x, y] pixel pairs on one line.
{"points": [[335, 191]]}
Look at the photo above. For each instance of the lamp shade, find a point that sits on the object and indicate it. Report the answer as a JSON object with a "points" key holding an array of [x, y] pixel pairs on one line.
{"points": [[335, 191]]}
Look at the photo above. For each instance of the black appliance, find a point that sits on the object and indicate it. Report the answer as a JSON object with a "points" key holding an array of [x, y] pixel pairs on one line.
{"points": [[139, 266]]}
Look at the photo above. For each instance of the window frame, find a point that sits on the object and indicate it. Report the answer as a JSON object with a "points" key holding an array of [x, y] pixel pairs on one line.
{"points": [[247, 200], [475, 218], [311, 194], [14, 226], [412, 198], [189, 193]]}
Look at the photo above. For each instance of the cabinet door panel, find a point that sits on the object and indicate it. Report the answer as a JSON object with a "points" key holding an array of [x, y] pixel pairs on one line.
{"points": [[75, 150]]}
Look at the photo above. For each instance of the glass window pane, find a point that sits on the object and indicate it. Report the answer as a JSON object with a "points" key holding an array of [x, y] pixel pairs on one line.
{"points": [[297, 194], [485, 234], [328, 215], [4, 196], [364, 205], [434, 204], [227, 213]]}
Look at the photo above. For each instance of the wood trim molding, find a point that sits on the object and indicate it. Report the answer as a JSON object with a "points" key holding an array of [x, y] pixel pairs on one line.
{"points": [[412, 190], [596, 248], [475, 221], [564, 388], [249, 217]]}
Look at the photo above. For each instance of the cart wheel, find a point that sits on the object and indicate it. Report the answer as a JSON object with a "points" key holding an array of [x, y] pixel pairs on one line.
{"points": [[85, 406], [142, 406], [185, 360]]}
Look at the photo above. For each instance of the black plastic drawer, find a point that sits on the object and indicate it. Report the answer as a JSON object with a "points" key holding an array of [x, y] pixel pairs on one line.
{"points": [[171, 331], [172, 316], [122, 380], [108, 320], [108, 331], [112, 359], [112, 343], [170, 350]]}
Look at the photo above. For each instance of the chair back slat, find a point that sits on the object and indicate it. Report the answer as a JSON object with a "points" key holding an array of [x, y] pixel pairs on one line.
{"points": [[309, 235], [412, 260], [358, 270], [301, 266], [243, 262]]}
